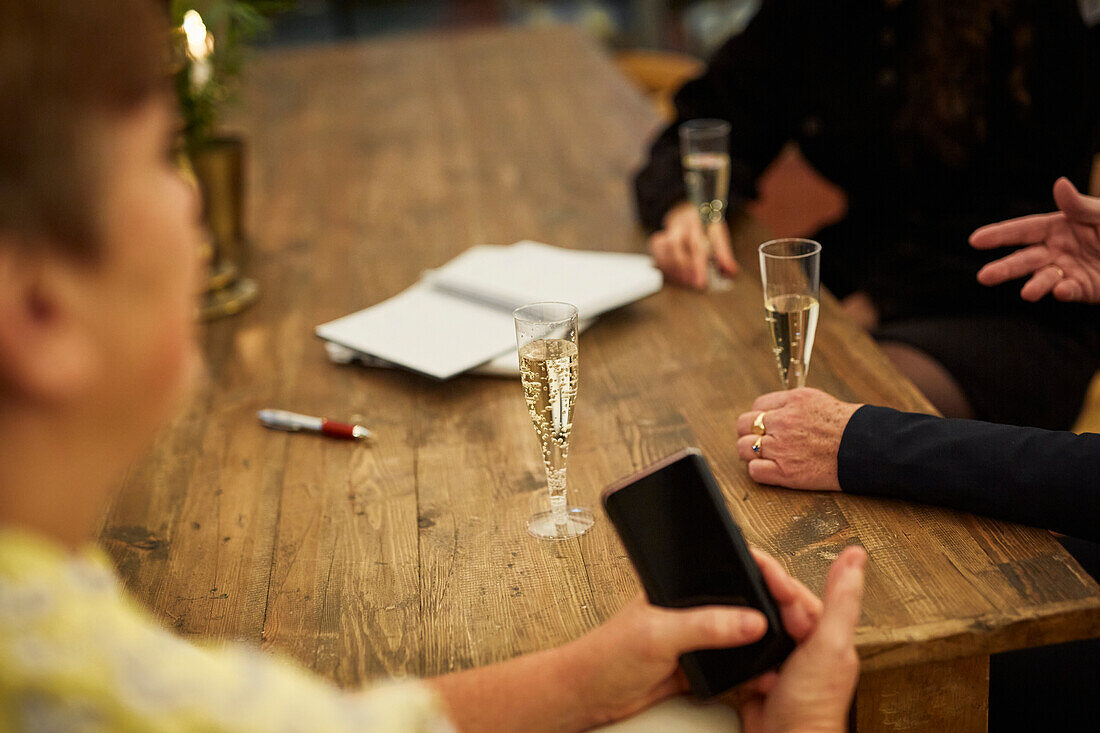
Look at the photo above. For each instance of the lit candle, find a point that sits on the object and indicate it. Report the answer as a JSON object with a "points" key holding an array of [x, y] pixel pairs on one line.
{"points": [[200, 44]]}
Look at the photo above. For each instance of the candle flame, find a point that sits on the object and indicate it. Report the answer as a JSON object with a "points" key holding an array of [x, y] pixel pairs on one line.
{"points": [[199, 42]]}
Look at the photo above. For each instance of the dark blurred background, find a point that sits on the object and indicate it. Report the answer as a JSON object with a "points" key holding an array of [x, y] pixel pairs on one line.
{"points": [[695, 27]]}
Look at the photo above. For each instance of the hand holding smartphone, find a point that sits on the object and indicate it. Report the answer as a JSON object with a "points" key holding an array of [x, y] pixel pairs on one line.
{"points": [[688, 551]]}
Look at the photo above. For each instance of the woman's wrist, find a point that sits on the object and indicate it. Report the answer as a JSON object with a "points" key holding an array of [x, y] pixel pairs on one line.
{"points": [[549, 691], [576, 669]]}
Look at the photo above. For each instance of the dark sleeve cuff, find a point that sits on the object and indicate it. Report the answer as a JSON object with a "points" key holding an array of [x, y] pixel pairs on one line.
{"points": [[1044, 478], [660, 184], [861, 458]]}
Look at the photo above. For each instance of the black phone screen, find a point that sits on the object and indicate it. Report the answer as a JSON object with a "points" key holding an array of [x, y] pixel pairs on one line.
{"points": [[689, 552], [687, 547]]}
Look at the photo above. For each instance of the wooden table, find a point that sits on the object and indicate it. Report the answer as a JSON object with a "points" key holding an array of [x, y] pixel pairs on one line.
{"points": [[371, 162]]}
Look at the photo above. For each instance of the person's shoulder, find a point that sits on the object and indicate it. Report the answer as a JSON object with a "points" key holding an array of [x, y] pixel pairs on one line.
{"points": [[26, 555], [48, 593], [54, 606]]}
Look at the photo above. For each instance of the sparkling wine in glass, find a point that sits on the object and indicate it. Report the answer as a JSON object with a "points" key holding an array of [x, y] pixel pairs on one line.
{"points": [[546, 337], [704, 156], [790, 270]]}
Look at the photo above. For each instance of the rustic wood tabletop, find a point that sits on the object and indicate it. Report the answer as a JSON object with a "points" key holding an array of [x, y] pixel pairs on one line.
{"points": [[370, 162]]}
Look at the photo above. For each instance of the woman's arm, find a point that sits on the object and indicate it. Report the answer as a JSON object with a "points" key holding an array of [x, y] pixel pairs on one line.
{"points": [[631, 662], [614, 671], [743, 84], [748, 84]]}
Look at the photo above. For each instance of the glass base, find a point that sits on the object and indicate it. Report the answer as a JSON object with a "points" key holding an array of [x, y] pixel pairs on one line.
{"points": [[229, 300], [578, 520]]}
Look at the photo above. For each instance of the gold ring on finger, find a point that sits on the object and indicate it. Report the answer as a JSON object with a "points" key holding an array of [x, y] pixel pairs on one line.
{"points": [[756, 446], [758, 425]]}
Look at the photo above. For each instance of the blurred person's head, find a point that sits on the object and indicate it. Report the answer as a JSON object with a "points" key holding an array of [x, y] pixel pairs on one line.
{"points": [[98, 261]]}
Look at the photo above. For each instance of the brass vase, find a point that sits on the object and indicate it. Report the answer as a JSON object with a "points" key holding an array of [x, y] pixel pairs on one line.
{"points": [[219, 169]]}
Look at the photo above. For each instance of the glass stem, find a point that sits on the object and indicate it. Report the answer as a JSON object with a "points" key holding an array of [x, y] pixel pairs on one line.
{"points": [[715, 279], [555, 481]]}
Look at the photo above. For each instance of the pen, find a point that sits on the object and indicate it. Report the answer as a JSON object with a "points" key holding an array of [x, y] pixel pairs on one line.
{"points": [[293, 422]]}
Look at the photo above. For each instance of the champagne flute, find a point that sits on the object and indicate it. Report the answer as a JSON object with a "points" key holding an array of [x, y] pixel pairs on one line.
{"points": [[546, 338], [705, 157], [791, 273]]}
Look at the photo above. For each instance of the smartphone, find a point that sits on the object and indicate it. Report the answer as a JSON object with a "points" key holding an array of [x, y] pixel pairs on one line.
{"points": [[688, 551]]}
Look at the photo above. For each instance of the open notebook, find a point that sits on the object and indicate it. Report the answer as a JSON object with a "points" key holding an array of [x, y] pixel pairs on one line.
{"points": [[459, 316]]}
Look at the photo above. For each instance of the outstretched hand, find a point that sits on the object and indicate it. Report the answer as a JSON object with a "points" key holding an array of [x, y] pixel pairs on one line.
{"points": [[1063, 252]]}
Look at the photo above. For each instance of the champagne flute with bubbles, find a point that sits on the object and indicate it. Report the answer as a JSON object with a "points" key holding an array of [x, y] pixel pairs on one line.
{"points": [[705, 157], [791, 273], [546, 337]]}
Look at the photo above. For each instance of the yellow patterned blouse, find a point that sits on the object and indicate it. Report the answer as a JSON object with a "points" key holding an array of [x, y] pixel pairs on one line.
{"points": [[77, 654]]}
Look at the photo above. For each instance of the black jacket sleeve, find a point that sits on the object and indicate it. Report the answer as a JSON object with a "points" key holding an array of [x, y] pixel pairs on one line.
{"points": [[1038, 477], [745, 83]]}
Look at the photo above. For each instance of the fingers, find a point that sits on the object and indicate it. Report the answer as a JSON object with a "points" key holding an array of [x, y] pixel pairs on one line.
{"points": [[763, 684], [667, 254], [723, 251], [1068, 291], [698, 251], [765, 471], [711, 627], [677, 254], [1077, 207], [660, 248], [746, 442], [683, 248], [795, 590], [843, 596], [745, 420], [681, 261], [1040, 283], [1023, 230], [799, 607], [775, 576], [1017, 264], [771, 400]]}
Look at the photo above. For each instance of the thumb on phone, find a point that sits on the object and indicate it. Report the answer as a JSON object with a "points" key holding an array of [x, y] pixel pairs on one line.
{"points": [[843, 597], [711, 627]]}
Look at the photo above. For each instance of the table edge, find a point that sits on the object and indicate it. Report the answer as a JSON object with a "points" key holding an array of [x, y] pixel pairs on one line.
{"points": [[983, 635]]}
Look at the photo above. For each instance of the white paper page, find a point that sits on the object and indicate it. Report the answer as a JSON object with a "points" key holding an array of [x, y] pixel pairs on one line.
{"points": [[505, 365], [426, 331], [528, 272]]}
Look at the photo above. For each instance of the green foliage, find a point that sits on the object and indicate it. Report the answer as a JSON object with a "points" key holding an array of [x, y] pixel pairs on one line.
{"points": [[233, 24]]}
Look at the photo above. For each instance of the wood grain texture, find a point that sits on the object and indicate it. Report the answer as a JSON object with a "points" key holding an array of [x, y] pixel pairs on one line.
{"points": [[926, 698], [407, 556]]}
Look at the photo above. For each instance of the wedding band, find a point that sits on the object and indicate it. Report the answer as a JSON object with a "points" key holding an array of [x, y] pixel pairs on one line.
{"points": [[758, 425], [756, 445], [1061, 272]]}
